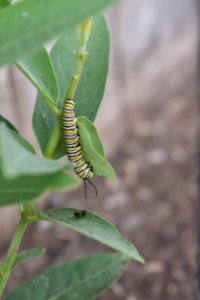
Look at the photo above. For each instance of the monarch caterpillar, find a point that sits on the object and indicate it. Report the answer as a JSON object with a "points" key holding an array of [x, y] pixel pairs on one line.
{"points": [[73, 146]]}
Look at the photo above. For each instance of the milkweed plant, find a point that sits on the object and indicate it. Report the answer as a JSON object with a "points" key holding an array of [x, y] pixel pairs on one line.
{"points": [[75, 69]]}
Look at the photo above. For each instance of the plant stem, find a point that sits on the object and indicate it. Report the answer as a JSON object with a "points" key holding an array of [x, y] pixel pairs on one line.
{"points": [[84, 31], [12, 252], [75, 78], [54, 138], [51, 104]]}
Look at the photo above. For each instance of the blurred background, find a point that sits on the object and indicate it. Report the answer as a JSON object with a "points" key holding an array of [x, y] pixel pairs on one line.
{"points": [[148, 123]]}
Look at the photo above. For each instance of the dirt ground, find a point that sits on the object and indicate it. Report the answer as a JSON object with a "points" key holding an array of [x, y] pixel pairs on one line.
{"points": [[153, 204]]}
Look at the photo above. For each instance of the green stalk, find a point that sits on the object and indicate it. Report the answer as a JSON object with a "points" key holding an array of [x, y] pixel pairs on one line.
{"points": [[12, 252], [48, 100], [84, 31], [53, 141]]}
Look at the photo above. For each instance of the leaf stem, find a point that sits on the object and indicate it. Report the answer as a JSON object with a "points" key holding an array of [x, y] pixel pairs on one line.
{"points": [[54, 138], [83, 31], [12, 252], [51, 104]]}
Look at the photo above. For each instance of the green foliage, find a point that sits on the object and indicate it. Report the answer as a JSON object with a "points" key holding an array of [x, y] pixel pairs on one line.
{"points": [[83, 279], [18, 161], [91, 130], [28, 255], [36, 21], [92, 84], [77, 65], [19, 138], [23, 175], [4, 3], [38, 68], [11, 126], [43, 123], [26, 188], [94, 227], [93, 149]]}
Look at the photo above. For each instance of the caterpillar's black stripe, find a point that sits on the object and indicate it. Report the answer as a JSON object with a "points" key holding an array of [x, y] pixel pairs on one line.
{"points": [[71, 140]]}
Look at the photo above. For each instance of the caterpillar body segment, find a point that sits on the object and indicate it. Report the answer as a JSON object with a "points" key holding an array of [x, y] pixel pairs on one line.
{"points": [[71, 140]]}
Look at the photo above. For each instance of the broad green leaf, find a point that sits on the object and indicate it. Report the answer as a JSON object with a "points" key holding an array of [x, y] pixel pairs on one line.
{"points": [[92, 84], [92, 149], [4, 3], [43, 124], [28, 255], [28, 24], [82, 279], [96, 142], [18, 161], [27, 188], [92, 226], [19, 138], [38, 68]]}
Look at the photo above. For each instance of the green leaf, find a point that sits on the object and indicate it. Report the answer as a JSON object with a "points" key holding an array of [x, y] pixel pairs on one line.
{"points": [[2, 266], [28, 255], [92, 84], [18, 161], [82, 279], [4, 3], [92, 226], [43, 124], [91, 129], [28, 188], [19, 138], [38, 68], [28, 24], [92, 149], [8, 123]]}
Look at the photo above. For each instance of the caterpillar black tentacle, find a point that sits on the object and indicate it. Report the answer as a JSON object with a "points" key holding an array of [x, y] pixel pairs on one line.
{"points": [[92, 184], [73, 146]]}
